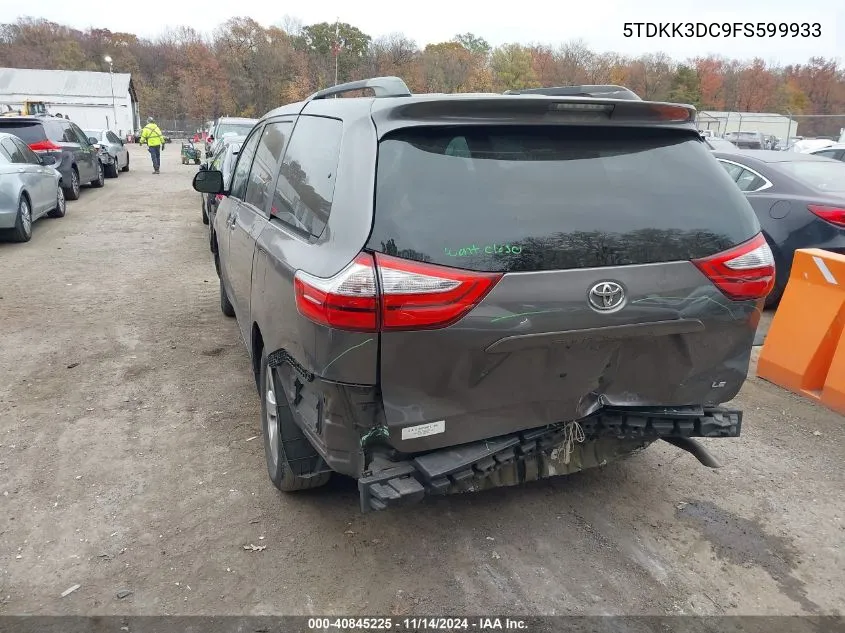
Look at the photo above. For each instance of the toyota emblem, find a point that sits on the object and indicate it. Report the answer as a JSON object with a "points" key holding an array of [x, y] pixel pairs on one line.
{"points": [[606, 296]]}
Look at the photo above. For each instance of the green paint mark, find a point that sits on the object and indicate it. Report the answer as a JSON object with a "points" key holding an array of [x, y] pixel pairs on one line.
{"points": [[520, 314], [487, 249], [375, 432], [345, 352]]}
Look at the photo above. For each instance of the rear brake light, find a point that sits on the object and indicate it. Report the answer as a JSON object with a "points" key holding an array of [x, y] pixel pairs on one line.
{"points": [[744, 272], [417, 296], [581, 107], [412, 295], [346, 301], [665, 112], [834, 215], [45, 146]]}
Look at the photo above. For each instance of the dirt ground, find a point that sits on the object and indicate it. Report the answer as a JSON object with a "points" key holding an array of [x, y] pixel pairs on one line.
{"points": [[130, 462]]}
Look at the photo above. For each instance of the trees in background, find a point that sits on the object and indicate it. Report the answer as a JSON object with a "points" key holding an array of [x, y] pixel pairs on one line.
{"points": [[245, 69]]}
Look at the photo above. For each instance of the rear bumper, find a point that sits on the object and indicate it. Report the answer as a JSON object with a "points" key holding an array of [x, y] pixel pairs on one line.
{"points": [[537, 453]]}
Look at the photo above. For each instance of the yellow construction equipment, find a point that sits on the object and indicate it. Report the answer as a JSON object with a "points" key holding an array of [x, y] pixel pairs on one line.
{"points": [[33, 108]]}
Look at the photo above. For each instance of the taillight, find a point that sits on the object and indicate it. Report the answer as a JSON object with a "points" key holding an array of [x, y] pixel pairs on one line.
{"points": [[411, 295], [346, 301], [834, 215], [744, 272], [417, 296], [218, 196], [45, 146]]}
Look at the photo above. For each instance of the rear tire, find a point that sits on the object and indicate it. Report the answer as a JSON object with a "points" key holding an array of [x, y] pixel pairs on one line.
{"points": [[111, 171], [204, 212], [72, 192], [292, 462], [61, 205], [100, 180], [226, 306], [126, 167], [23, 222]]}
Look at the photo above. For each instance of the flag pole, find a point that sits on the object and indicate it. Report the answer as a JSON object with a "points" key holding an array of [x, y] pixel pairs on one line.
{"points": [[336, 46]]}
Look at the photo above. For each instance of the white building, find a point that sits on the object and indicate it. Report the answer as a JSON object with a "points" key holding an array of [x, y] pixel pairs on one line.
{"points": [[89, 99], [778, 125]]}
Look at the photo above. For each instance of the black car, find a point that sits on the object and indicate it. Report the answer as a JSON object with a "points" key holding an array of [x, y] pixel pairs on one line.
{"points": [[76, 158], [798, 198], [442, 293]]}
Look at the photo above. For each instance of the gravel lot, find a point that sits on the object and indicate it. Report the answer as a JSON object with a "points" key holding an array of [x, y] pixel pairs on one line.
{"points": [[129, 462]]}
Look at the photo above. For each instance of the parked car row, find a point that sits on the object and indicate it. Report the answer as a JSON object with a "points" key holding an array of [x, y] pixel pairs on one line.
{"points": [[45, 161], [226, 126]]}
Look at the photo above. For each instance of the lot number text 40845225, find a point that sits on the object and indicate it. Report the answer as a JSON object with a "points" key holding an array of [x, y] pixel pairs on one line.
{"points": [[418, 624]]}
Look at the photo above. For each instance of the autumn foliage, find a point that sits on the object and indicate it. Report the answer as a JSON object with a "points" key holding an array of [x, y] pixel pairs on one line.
{"points": [[244, 68]]}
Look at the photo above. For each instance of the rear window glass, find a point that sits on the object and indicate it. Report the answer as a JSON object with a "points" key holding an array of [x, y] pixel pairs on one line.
{"points": [[237, 129], [28, 132], [821, 176], [513, 199]]}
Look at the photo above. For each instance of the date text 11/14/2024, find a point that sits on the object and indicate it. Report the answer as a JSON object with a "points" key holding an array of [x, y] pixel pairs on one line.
{"points": [[418, 624]]}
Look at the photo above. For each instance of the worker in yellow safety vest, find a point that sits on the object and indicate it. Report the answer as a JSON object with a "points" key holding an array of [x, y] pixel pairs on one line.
{"points": [[153, 138]]}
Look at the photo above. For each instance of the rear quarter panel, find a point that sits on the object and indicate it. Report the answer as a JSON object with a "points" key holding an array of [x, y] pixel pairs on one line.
{"points": [[331, 354], [10, 192]]}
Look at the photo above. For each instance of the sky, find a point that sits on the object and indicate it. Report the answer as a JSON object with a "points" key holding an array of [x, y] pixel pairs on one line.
{"points": [[600, 24]]}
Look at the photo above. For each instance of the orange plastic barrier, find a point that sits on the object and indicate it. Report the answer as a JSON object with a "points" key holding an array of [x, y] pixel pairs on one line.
{"points": [[804, 350]]}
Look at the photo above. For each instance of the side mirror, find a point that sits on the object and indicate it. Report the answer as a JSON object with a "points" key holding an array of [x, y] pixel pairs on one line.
{"points": [[209, 181], [93, 140], [47, 160]]}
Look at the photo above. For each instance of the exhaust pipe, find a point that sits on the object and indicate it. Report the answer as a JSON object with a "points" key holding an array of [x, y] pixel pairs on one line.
{"points": [[697, 450]]}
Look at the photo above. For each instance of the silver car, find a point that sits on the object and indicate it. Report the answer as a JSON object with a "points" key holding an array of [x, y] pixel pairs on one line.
{"points": [[30, 187], [113, 153]]}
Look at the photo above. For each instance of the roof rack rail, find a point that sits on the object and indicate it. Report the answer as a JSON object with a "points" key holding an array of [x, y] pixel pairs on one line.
{"points": [[596, 91], [381, 86]]}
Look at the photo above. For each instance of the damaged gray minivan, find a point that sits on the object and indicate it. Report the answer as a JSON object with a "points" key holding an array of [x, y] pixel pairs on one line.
{"points": [[444, 293]]}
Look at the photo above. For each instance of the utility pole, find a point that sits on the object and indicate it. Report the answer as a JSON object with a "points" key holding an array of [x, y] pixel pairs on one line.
{"points": [[108, 60]]}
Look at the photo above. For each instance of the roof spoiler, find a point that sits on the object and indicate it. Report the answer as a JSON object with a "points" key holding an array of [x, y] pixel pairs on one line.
{"points": [[596, 92], [381, 86]]}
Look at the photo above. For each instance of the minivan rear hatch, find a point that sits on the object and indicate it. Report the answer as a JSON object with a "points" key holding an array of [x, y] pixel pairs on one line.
{"points": [[582, 255]]}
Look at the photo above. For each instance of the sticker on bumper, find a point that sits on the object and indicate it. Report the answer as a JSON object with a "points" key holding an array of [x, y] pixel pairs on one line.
{"points": [[423, 430]]}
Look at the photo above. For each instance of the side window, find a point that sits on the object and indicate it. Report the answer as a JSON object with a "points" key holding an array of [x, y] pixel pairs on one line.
{"points": [[12, 150], [68, 135], [305, 188], [5, 158], [112, 137], [749, 181], [733, 170], [83, 139], [241, 173], [828, 153], [266, 163], [28, 155]]}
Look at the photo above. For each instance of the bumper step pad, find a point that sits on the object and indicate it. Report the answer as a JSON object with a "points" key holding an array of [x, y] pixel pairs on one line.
{"points": [[435, 473]]}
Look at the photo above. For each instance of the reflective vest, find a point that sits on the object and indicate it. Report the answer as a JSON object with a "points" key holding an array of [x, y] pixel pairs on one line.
{"points": [[151, 135]]}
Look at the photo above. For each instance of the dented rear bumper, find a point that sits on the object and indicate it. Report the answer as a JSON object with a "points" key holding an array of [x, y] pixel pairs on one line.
{"points": [[538, 453]]}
